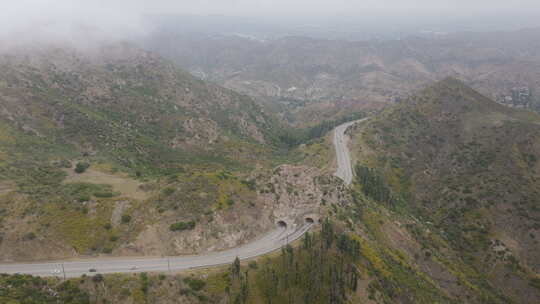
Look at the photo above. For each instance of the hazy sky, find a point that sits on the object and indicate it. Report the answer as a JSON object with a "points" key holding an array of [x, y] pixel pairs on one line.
{"points": [[36, 8], [333, 6], [58, 17]]}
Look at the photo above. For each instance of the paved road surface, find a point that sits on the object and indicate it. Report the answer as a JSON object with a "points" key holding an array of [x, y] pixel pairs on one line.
{"points": [[268, 243], [344, 169]]}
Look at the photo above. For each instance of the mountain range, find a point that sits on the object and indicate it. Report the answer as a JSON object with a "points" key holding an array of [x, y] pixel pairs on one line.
{"points": [[302, 78], [117, 151]]}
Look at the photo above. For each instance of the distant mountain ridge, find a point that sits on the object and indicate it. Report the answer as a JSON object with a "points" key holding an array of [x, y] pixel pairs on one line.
{"points": [[303, 77]]}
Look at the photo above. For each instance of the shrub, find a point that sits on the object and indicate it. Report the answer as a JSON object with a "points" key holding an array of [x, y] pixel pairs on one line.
{"points": [[202, 297], [253, 265], [126, 218], [168, 191], [535, 282], [83, 198], [251, 184], [81, 167], [144, 282], [195, 283], [64, 163], [179, 226], [97, 278], [104, 194], [29, 236]]}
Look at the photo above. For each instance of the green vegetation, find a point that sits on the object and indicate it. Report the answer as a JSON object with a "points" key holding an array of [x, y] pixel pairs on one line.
{"points": [[313, 274], [535, 282], [29, 236], [195, 284], [126, 218], [462, 170], [180, 226], [140, 119], [81, 167], [453, 162], [294, 137], [221, 191], [84, 191], [23, 289], [373, 185], [85, 232], [144, 119]]}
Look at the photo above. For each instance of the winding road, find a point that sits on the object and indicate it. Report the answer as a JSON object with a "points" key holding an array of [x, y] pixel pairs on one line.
{"points": [[344, 168], [270, 242], [266, 244]]}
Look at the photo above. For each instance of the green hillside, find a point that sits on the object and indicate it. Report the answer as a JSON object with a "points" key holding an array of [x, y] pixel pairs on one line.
{"points": [[468, 169], [135, 110], [142, 128]]}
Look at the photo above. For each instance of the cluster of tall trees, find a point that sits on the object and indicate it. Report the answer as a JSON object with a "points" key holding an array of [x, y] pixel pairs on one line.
{"points": [[238, 288], [321, 270], [373, 184], [294, 137]]}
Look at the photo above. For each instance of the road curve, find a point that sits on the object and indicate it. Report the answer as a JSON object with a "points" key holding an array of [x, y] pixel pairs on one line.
{"points": [[344, 169], [272, 241]]}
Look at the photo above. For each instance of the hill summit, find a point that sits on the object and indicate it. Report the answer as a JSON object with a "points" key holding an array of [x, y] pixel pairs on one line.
{"points": [[470, 168]]}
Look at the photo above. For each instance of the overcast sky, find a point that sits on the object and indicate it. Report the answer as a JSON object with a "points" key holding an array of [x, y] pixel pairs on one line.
{"points": [[334, 6], [123, 16], [262, 7]]}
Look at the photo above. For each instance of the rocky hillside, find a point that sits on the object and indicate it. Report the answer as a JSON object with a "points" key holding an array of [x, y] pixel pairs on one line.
{"points": [[126, 105], [441, 211], [468, 169], [114, 150]]}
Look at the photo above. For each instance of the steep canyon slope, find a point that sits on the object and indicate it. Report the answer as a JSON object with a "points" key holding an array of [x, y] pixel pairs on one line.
{"points": [[176, 165], [469, 168]]}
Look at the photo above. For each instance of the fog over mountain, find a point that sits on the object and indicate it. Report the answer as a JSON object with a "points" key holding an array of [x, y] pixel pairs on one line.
{"points": [[30, 20], [373, 151], [269, 7]]}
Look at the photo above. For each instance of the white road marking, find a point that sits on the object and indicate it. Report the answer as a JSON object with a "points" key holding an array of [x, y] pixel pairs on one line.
{"points": [[272, 241]]}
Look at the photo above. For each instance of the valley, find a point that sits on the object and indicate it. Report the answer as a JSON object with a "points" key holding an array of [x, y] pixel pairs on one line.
{"points": [[170, 166], [382, 224], [301, 78], [273, 240]]}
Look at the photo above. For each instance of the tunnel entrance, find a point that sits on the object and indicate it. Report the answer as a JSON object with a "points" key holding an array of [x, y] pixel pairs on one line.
{"points": [[282, 224], [309, 220]]}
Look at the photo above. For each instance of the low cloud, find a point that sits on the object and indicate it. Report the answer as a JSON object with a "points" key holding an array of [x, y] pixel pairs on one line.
{"points": [[78, 22], [83, 21]]}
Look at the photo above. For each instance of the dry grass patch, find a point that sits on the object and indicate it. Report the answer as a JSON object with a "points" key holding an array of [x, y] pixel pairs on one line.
{"points": [[6, 187], [123, 184]]}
